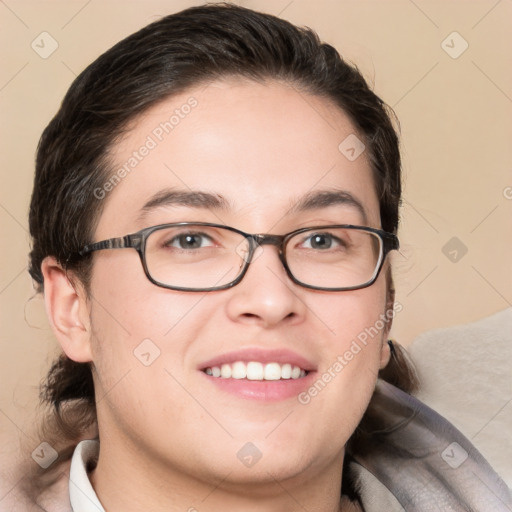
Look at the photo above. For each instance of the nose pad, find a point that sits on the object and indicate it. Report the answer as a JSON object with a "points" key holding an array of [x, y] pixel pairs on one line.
{"points": [[249, 250]]}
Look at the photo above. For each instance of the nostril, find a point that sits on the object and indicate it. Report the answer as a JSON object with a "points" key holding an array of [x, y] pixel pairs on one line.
{"points": [[249, 315]]}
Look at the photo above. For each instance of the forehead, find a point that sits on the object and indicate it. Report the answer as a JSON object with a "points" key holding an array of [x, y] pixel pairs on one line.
{"points": [[261, 147]]}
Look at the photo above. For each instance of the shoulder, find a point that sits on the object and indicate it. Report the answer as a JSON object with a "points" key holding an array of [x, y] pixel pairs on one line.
{"points": [[421, 459], [28, 489]]}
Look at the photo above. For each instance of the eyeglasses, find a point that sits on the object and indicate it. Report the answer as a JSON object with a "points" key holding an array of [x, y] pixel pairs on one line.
{"points": [[199, 256]]}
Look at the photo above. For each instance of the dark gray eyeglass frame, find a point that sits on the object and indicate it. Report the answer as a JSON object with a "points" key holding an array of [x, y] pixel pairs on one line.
{"points": [[137, 241]]}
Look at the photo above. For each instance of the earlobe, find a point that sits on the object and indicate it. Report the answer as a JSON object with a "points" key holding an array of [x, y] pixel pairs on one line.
{"points": [[67, 310], [385, 353]]}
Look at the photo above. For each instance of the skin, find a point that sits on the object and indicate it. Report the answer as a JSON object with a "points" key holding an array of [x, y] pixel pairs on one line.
{"points": [[168, 440]]}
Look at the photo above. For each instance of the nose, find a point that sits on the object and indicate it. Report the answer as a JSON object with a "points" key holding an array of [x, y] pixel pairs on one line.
{"points": [[266, 296]]}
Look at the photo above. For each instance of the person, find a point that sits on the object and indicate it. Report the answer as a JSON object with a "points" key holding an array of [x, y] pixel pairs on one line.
{"points": [[214, 211]]}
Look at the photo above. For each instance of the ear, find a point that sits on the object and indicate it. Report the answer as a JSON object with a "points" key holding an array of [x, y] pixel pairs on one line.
{"points": [[67, 309]]}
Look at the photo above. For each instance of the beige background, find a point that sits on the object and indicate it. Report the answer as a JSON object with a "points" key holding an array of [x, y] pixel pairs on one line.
{"points": [[456, 131]]}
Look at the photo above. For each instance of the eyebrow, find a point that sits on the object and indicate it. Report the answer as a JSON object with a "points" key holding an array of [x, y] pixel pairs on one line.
{"points": [[206, 200], [191, 199], [325, 198]]}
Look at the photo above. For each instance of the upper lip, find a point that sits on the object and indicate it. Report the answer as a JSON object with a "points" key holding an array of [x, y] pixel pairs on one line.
{"points": [[281, 356]]}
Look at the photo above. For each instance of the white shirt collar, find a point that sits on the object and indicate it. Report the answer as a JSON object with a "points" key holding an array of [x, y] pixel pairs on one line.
{"points": [[81, 494]]}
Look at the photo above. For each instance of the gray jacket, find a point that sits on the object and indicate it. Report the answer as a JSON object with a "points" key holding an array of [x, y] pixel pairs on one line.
{"points": [[406, 457]]}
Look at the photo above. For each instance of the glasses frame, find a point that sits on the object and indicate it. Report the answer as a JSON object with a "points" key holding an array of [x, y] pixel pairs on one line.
{"points": [[137, 241]]}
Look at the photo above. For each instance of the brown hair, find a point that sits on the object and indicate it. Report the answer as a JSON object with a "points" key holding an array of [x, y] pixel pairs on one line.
{"points": [[163, 59]]}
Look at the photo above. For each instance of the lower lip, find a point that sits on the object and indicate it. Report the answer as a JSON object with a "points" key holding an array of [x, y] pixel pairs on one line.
{"points": [[264, 390]]}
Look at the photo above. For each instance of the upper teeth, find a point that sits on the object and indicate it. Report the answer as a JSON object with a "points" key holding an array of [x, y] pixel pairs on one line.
{"points": [[254, 370]]}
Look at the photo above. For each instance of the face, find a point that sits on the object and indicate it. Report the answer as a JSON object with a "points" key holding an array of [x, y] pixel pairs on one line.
{"points": [[259, 151]]}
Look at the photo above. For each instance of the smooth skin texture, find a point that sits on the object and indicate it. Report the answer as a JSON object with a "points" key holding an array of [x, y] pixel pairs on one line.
{"points": [[169, 437]]}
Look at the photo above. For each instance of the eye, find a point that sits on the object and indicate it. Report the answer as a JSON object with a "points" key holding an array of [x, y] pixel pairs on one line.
{"points": [[322, 241], [189, 241]]}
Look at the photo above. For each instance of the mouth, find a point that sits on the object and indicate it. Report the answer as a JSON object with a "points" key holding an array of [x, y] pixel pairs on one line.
{"points": [[256, 371], [267, 375]]}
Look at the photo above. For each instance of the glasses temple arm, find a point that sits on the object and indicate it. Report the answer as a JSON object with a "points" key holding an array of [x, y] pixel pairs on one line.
{"points": [[112, 243]]}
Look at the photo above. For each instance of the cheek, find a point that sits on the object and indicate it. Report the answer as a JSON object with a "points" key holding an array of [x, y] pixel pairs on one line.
{"points": [[137, 325], [128, 306], [353, 335], [354, 316], [141, 337]]}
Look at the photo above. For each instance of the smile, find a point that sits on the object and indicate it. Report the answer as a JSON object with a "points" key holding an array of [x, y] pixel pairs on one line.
{"points": [[255, 370]]}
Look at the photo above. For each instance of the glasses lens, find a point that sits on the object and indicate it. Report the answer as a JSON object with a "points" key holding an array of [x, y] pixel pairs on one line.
{"points": [[195, 256], [334, 257]]}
